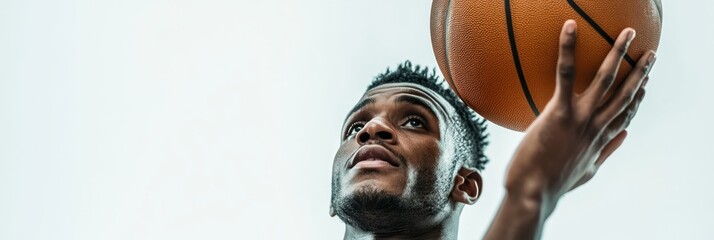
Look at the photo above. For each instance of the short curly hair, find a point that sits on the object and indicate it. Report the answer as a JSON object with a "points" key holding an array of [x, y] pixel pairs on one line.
{"points": [[470, 148]]}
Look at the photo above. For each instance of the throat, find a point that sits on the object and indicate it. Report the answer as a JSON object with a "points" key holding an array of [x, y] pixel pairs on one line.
{"points": [[445, 230]]}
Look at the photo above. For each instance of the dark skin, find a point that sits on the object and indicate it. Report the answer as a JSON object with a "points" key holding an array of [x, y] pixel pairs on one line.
{"points": [[561, 150], [400, 126], [571, 139], [394, 121]]}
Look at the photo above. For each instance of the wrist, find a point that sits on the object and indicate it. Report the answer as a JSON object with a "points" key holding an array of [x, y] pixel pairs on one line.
{"points": [[518, 218], [524, 206], [531, 197], [527, 187]]}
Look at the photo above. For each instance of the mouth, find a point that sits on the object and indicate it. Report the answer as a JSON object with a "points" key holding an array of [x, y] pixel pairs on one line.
{"points": [[373, 156]]}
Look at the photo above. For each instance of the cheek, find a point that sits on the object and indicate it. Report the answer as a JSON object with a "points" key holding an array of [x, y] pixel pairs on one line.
{"points": [[424, 165], [430, 153], [343, 154], [423, 154]]}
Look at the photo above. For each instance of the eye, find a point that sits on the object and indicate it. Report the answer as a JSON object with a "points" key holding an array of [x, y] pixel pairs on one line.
{"points": [[355, 128], [414, 122]]}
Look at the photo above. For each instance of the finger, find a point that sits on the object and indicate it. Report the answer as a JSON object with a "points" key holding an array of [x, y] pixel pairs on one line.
{"points": [[625, 94], [623, 120], [608, 70], [610, 148], [566, 62]]}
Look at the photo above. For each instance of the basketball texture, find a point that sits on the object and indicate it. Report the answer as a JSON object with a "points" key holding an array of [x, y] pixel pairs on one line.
{"points": [[500, 56]]}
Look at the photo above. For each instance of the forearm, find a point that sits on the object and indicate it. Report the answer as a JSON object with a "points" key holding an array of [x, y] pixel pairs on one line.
{"points": [[517, 218]]}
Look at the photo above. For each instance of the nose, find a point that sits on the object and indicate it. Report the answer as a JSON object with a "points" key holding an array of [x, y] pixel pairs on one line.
{"points": [[376, 130]]}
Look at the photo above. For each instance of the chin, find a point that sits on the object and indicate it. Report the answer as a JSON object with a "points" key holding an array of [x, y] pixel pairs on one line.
{"points": [[373, 207], [375, 186], [392, 184]]}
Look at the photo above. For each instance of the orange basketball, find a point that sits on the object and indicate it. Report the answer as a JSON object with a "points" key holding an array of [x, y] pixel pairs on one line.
{"points": [[500, 56]]}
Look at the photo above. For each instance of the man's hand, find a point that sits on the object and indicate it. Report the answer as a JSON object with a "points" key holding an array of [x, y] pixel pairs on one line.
{"points": [[567, 143]]}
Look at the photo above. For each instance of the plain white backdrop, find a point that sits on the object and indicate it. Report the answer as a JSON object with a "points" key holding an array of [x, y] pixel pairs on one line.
{"points": [[219, 120]]}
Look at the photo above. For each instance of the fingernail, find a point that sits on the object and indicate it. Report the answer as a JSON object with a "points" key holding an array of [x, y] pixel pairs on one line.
{"points": [[644, 83], [650, 61], [630, 35], [652, 58], [570, 29]]}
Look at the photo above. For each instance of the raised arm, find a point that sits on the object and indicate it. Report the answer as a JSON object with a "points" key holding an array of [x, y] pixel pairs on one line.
{"points": [[570, 140]]}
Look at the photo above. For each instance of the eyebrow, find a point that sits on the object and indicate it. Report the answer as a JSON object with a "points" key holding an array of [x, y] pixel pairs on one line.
{"points": [[401, 99], [416, 101], [359, 106]]}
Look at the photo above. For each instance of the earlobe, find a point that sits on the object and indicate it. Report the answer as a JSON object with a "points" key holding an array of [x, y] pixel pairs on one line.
{"points": [[467, 186], [332, 211]]}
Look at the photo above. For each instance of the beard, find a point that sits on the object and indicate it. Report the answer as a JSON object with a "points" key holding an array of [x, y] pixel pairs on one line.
{"points": [[373, 210]]}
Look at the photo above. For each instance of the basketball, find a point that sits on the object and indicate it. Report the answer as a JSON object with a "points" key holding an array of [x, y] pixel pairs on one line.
{"points": [[500, 57]]}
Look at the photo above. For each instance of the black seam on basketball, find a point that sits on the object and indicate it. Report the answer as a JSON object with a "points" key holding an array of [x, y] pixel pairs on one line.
{"points": [[446, 45], [598, 29], [516, 60]]}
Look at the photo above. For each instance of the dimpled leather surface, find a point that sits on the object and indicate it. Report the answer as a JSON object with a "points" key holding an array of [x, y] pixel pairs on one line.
{"points": [[472, 47]]}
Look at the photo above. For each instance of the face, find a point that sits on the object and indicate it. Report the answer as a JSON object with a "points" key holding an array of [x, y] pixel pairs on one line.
{"points": [[395, 158]]}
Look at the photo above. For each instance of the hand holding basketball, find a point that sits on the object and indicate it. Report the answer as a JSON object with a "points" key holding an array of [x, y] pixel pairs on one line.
{"points": [[499, 56], [575, 133]]}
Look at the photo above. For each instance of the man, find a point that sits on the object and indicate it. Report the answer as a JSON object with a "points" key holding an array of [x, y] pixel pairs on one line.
{"points": [[411, 152]]}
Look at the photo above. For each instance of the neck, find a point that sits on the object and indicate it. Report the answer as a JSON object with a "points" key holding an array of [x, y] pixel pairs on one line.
{"points": [[447, 229]]}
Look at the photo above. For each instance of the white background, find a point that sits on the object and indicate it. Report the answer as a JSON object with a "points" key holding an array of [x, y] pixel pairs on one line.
{"points": [[219, 120]]}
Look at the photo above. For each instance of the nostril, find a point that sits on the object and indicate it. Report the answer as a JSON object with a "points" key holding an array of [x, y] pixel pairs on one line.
{"points": [[384, 135], [364, 137]]}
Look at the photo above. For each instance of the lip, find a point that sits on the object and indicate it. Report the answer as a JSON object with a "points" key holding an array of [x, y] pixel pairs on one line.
{"points": [[373, 153]]}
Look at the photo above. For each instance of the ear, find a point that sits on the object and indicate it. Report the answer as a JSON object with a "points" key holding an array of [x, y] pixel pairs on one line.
{"points": [[332, 211], [467, 186]]}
